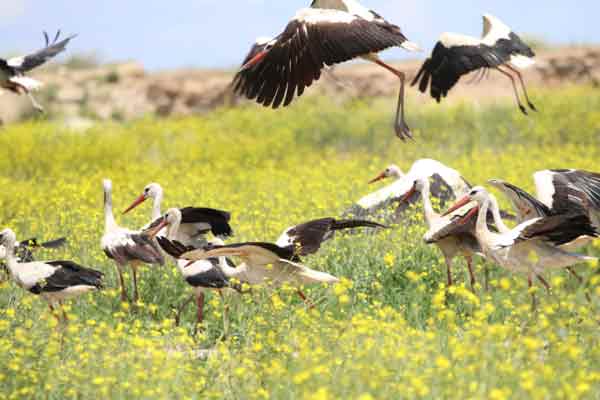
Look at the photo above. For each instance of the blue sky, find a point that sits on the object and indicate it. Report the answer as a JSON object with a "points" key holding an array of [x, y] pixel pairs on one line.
{"points": [[216, 33]]}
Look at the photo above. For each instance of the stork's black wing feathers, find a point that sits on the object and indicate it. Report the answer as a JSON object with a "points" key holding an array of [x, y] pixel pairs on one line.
{"points": [[68, 274], [299, 54], [559, 229], [217, 219], [576, 190], [442, 71], [38, 58], [173, 247]]}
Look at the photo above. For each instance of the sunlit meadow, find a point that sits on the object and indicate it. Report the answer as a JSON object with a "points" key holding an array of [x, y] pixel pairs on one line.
{"points": [[390, 329]]}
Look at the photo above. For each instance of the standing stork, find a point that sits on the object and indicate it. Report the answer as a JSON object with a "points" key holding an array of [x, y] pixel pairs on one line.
{"points": [[448, 184], [24, 249], [195, 222], [328, 32], [201, 275], [126, 247], [55, 281], [12, 71], [532, 246], [456, 55], [559, 191]]}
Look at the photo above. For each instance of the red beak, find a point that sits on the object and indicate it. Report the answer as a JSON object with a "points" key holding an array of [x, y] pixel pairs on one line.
{"points": [[136, 203], [255, 60], [472, 213], [189, 263], [408, 194], [379, 177], [460, 203], [154, 231]]}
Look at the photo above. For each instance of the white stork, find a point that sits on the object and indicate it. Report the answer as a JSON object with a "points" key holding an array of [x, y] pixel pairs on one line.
{"points": [[448, 184], [327, 33], [278, 263], [456, 55], [195, 223], [55, 281], [532, 246], [566, 191], [201, 275], [12, 71], [126, 247]]}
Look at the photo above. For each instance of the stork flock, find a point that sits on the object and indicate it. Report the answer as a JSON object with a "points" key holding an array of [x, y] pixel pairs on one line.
{"points": [[551, 228]]}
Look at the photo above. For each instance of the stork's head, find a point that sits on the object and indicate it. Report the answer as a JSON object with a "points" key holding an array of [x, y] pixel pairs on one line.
{"points": [[171, 218], [477, 194], [7, 237], [151, 191], [107, 185], [392, 171], [417, 187]]}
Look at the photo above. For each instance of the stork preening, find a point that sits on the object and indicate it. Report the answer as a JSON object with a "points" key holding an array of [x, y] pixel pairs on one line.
{"points": [[448, 184], [195, 222], [126, 247], [12, 71], [530, 248], [328, 32], [456, 55], [201, 275], [55, 281]]}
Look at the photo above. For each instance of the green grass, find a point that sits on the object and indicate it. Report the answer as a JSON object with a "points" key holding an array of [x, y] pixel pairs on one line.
{"points": [[390, 330]]}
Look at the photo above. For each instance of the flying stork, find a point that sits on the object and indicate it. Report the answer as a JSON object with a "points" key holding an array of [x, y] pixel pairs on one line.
{"points": [[532, 246], [195, 222], [12, 71], [201, 275], [328, 32], [456, 55], [126, 247], [55, 281], [448, 184]]}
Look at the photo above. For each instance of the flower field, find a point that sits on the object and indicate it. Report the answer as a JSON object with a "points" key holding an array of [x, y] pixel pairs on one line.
{"points": [[390, 329]]}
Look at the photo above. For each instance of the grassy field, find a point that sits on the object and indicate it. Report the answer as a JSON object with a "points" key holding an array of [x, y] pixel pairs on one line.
{"points": [[389, 330]]}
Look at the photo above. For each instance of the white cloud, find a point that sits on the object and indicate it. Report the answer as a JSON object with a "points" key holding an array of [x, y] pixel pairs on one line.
{"points": [[11, 9]]}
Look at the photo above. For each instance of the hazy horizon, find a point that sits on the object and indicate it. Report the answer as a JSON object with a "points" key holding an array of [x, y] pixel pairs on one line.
{"points": [[211, 33]]}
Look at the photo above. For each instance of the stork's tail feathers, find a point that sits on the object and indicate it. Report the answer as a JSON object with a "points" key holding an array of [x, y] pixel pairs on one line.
{"points": [[410, 46], [54, 244], [423, 76], [29, 84], [355, 223]]}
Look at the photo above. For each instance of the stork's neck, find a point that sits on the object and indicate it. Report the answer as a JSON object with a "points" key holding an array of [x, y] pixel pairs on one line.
{"points": [[481, 228], [109, 218], [231, 272], [498, 221], [11, 258], [156, 205], [430, 214], [173, 229]]}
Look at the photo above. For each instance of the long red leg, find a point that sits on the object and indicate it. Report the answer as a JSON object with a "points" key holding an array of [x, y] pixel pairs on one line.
{"points": [[530, 285], [305, 299], [136, 295], [520, 76], [581, 282], [448, 272], [200, 310], [512, 79], [471, 272], [400, 126]]}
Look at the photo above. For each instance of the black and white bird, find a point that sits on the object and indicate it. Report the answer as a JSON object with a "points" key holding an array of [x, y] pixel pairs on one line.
{"points": [[559, 192], [12, 70], [126, 247], [55, 281], [196, 222], [201, 275], [532, 247], [447, 184], [456, 55], [328, 32]]}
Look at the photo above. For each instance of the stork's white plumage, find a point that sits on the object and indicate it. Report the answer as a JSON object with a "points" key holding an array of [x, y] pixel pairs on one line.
{"points": [[126, 247], [559, 192], [448, 185], [327, 33], [531, 247], [55, 281], [196, 222], [456, 55], [12, 70]]}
